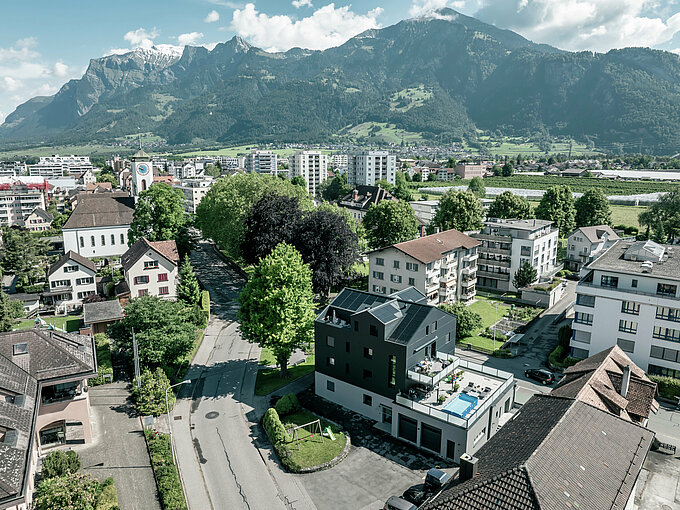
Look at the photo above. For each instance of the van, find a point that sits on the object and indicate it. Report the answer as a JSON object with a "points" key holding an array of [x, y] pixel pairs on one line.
{"points": [[435, 479], [396, 503]]}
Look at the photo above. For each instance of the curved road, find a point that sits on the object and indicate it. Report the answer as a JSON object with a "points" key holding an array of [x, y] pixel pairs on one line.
{"points": [[224, 464]]}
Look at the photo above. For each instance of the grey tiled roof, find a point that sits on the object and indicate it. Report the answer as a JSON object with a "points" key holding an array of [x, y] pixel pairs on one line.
{"points": [[102, 311], [166, 249], [556, 453], [71, 255], [101, 210]]}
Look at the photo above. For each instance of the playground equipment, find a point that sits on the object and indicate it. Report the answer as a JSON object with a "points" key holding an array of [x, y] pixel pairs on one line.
{"points": [[314, 426]]}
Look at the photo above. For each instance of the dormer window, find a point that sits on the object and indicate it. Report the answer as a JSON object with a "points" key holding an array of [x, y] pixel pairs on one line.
{"points": [[151, 264], [21, 348]]}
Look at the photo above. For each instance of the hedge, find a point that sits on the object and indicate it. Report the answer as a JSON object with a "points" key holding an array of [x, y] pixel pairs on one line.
{"points": [[287, 404], [108, 498], [278, 437], [205, 304], [167, 476], [558, 358], [668, 387], [104, 363]]}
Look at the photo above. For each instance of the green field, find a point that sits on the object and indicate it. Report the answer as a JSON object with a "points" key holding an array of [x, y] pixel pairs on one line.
{"points": [[238, 150], [310, 449], [269, 379], [68, 323], [380, 132], [621, 214], [406, 99], [507, 146]]}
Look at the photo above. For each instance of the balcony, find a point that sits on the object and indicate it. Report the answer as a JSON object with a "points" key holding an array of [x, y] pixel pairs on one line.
{"points": [[583, 287], [469, 270], [490, 274], [468, 282], [471, 257], [492, 237], [500, 251], [494, 262]]}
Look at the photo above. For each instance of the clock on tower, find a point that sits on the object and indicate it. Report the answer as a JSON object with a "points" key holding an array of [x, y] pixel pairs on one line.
{"points": [[142, 174]]}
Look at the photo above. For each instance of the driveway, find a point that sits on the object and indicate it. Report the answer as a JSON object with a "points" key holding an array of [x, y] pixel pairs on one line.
{"points": [[118, 448]]}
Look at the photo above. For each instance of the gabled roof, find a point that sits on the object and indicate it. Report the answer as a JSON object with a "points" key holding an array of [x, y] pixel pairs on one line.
{"points": [[556, 453], [594, 234], [166, 249], [102, 311], [430, 248], [101, 210], [71, 255], [42, 213]]}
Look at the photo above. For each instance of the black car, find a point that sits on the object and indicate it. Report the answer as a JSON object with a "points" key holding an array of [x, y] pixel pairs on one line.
{"points": [[541, 375], [416, 494]]}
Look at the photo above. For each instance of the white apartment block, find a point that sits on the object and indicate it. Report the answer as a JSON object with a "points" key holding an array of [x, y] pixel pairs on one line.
{"points": [[312, 166], [70, 280], [338, 161], [508, 244], [194, 190], [151, 268], [368, 167], [58, 166], [586, 244], [18, 201], [629, 297], [262, 162], [443, 266]]}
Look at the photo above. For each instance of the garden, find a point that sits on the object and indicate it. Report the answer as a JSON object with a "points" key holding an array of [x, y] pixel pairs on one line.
{"points": [[68, 323], [269, 375]]}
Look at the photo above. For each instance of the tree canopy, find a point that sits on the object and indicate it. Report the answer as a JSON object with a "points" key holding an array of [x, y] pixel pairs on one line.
{"points": [[188, 290], [663, 217], [298, 180], [401, 190], [507, 205], [24, 255], [461, 210], [557, 205], [390, 222], [73, 491], [466, 320], [524, 276], [6, 313], [277, 304], [592, 208], [477, 187], [335, 188]]}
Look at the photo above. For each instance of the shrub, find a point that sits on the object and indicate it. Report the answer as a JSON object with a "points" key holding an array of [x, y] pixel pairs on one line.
{"points": [[205, 303], [275, 429], [104, 364], [668, 387], [60, 463], [150, 396], [287, 404], [564, 336], [108, 498], [167, 477], [70, 491]]}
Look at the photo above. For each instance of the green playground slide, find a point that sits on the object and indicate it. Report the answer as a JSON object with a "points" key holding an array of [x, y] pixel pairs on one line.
{"points": [[328, 431]]}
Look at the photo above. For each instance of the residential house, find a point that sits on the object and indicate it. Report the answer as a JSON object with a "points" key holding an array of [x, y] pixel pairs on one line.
{"points": [[38, 220], [151, 268], [360, 200], [312, 166], [508, 244], [44, 404], [443, 266], [468, 171], [87, 177], [391, 359], [70, 280], [368, 167], [262, 162], [586, 243], [554, 453], [99, 225], [194, 190], [446, 174], [629, 297], [98, 316]]}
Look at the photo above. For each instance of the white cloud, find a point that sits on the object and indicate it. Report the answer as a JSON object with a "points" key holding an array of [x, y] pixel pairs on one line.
{"points": [[21, 50], [10, 84], [325, 28], [426, 7], [191, 38], [212, 17], [598, 25], [301, 3], [60, 69], [140, 38], [227, 3]]}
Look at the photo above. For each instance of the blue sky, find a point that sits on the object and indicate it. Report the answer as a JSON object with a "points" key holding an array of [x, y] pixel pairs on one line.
{"points": [[44, 43]]}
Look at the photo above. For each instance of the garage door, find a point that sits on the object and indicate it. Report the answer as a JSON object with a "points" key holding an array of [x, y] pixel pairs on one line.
{"points": [[431, 438], [408, 428]]}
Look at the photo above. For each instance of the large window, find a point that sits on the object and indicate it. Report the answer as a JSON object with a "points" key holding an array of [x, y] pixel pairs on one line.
{"points": [[162, 277], [378, 275], [581, 336], [630, 307], [668, 372], [626, 345], [410, 266], [70, 269], [163, 291], [379, 261], [663, 353], [396, 264], [666, 290], [628, 326], [583, 318], [391, 371], [669, 314], [395, 278], [150, 264], [584, 300], [609, 281], [60, 392], [141, 279], [579, 353], [672, 335], [330, 341]]}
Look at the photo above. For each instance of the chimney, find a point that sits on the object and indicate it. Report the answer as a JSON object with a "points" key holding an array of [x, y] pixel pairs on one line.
{"points": [[625, 381], [355, 194], [468, 467]]}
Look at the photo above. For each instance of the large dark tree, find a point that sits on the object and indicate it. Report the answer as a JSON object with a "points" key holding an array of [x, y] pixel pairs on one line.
{"points": [[507, 205], [557, 205], [272, 220], [592, 208], [524, 276], [390, 222], [461, 210], [24, 255], [335, 188], [330, 247]]}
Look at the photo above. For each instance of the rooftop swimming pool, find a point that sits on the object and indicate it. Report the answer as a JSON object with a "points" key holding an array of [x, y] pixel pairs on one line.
{"points": [[461, 406]]}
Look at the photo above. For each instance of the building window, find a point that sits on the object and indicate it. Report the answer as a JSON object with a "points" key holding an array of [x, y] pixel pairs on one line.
{"points": [[581, 336], [163, 291], [579, 353], [628, 326], [356, 327], [609, 281], [61, 283], [330, 341], [84, 281], [410, 266], [395, 278], [20, 348], [141, 279], [626, 345], [92, 241], [479, 436], [391, 371], [448, 337], [667, 372], [666, 290], [142, 292], [347, 368], [395, 264], [671, 335], [150, 264], [665, 354], [378, 275], [368, 353], [71, 269], [669, 314], [330, 385], [525, 251], [103, 240], [379, 261], [330, 361], [368, 400], [373, 330], [630, 307], [162, 277], [427, 330], [583, 318], [368, 374], [633, 283], [122, 239], [583, 300], [82, 242], [412, 282]]}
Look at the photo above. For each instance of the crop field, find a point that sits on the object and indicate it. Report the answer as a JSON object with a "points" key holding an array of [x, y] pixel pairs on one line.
{"points": [[512, 146]]}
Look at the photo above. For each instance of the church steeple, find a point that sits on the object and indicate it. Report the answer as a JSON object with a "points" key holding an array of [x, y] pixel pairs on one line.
{"points": [[142, 172]]}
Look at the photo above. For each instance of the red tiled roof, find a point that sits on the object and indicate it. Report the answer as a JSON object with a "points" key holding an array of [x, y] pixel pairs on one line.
{"points": [[430, 248]]}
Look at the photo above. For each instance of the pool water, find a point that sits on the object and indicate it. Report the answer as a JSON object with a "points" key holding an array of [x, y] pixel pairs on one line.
{"points": [[461, 405]]}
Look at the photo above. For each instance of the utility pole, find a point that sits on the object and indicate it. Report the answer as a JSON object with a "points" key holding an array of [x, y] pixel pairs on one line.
{"points": [[135, 353]]}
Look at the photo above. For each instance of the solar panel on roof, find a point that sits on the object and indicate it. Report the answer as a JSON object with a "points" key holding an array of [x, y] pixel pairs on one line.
{"points": [[386, 313]]}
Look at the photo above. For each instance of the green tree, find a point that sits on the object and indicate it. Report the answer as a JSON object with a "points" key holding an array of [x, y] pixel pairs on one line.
{"points": [[592, 208], [507, 170], [524, 276], [188, 290], [390, 222], [557, 205], [24, 255], [277, 304], [417, 177], [663, 216], [102, 177], [222, 212], [74, 491], [432, 176], [467, 321], [461, 210], [159, 216], [60, 463], [352, 222], [6, 313], [401, 189], [212, 170], [149, 397], [298, 180], [162, 327], [507, 205], [477, 187], [335, 188]]}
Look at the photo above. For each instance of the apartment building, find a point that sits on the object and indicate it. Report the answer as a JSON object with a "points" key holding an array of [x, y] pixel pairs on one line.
{"points": [[368, 167], [391, 359], [151, 268], [58, 166], [629, 297], [360, 200], [312, 166], [508, 244], [338, 161], [443, 266], [586, 243], [18, 200], [70, 280], [262, 162], [194, 190], [467, 171]]}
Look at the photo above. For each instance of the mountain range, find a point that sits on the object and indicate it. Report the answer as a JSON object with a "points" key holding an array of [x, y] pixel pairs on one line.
{"points": [[444, 77]]}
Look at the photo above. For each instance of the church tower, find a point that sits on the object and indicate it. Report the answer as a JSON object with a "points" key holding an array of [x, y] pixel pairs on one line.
{"points": [[142, 172]]}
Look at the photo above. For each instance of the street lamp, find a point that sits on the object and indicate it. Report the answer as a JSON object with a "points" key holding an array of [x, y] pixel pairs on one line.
{"points": [[495, 319], [167, 408]]}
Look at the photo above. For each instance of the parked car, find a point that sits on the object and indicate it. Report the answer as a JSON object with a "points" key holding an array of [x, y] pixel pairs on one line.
{"points": [[416, 494], [435, 479], [396, 503], [541, 375]]}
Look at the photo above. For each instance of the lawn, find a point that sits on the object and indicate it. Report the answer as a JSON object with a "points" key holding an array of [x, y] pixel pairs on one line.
{"points": [[267, 357], [269, 379], [487, 310], [312, 452], [626, 214], [69, 323]]}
